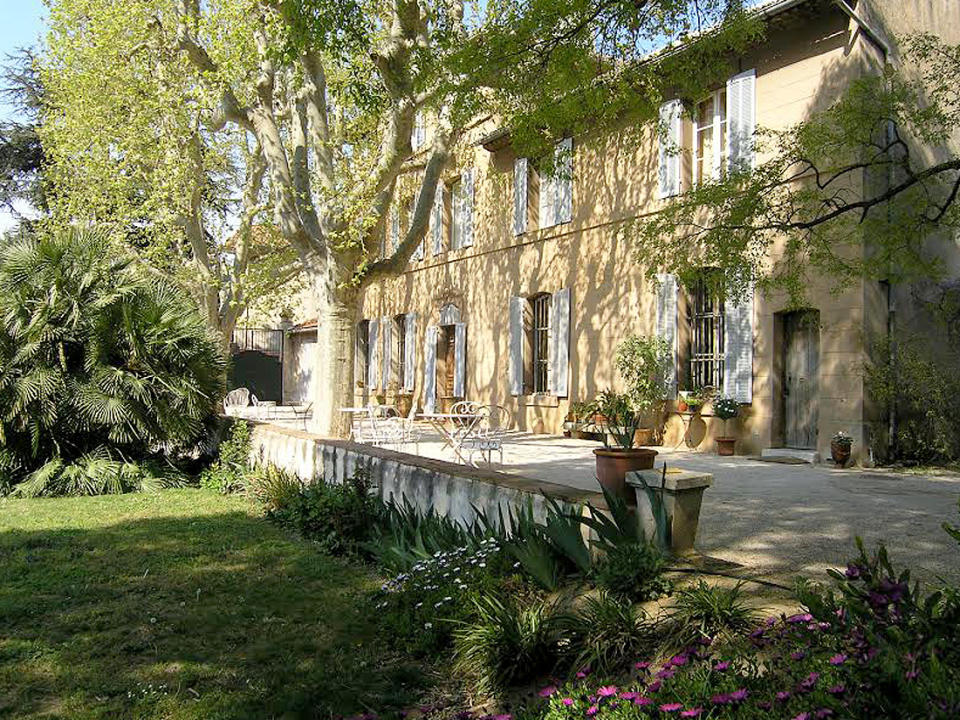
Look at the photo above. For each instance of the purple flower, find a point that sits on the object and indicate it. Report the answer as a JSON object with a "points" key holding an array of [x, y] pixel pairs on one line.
{"points": [[671, 707], [770, 621], [808, 683], [666, 674], [823, 713], [583, 672], [678, 660], [654, 686], [705, 641], [801, 618], [641, 665], [853, 572], [798, 655], [802, 716], [567, 702], [738, 696], [548, 691], [912, 674], [640, 700], [783, 696], [838, 659], [758, 633], [692, 712], [720, 699], [837, 690], [721, 666], [505, 716], [764, 705], [593, 710], [607, 691]]}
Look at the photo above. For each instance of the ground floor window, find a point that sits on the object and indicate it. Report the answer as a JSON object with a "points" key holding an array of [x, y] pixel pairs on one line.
{"points": [[540, 340], [400, 347], [363, 351], [707, 334]]}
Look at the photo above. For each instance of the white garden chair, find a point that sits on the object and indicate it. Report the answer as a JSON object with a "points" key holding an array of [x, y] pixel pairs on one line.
{"points": [[487, 438], [236, 398]]}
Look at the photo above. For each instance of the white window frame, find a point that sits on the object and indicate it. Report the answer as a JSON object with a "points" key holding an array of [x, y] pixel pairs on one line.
{"points": [[719, 141]]}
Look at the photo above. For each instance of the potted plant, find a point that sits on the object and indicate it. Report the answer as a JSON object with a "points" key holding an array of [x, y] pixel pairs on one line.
{"points": [[726, 408], [578, 415], [643, 363], [690, 400], [615, 459], [840, 445], [404, 402]]}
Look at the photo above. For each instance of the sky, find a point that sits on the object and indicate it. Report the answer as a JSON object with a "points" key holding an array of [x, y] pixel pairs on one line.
{"points": [[21, 24]]}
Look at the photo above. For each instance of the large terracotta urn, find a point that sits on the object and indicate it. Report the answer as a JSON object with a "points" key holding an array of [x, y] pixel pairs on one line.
{"points": [[613, 464]]}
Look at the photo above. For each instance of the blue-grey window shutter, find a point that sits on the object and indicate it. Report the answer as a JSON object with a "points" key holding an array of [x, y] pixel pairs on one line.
{"points": [[430, 370], [373, 369], [520, 173], [667, 322], [460, 360], [516, 345], [387, 325], [738, 353], [669, 158], [437, 225], [741, 119], [563, 184], [467, 205], [409, 350], [394, 230], [560, 343]]}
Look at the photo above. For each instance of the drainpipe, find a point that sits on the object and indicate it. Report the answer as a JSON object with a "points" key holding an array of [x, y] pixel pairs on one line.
{"points": [[873, 36]]}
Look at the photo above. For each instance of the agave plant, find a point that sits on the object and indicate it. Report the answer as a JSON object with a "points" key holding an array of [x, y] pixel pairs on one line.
{"points": [[101, 365]]}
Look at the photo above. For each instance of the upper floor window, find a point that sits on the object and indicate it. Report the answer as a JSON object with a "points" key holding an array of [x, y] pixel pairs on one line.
{"points": [[542, 199], [418, 138], [710, 137], [461, 210]]}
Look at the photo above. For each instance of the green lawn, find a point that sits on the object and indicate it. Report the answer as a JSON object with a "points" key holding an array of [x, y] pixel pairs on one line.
{"points": [[183, 604]]}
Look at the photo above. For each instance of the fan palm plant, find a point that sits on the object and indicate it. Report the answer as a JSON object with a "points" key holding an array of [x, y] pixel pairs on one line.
{"points": [[101, 366]]}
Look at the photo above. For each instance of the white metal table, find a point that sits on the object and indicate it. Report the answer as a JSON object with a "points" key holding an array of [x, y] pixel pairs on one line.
{"points": [[455, 428], [357, 416]]}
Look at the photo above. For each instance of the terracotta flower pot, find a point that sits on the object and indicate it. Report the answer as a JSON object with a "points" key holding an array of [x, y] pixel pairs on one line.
{"points": [[642, 437], [613, 464], [840, 452], [726, 446], [682, 405]]}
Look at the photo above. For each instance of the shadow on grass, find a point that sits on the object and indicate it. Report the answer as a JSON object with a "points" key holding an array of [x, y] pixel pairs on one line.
{"points": [[199, 616]]}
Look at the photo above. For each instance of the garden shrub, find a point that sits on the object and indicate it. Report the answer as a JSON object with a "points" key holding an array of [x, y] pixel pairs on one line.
{"points": [[507, 642], [338, 517], [277, 490], [228, 473], [633, 571], [923, 385], [606, 631], [102, 366], [709, 611]]}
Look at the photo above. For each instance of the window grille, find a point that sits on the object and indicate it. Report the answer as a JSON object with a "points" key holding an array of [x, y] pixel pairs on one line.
{"points": [[707, 337], [541, 343]]}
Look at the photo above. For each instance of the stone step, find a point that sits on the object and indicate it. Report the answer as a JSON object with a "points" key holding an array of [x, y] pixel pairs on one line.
{"points": [[790, 454]]}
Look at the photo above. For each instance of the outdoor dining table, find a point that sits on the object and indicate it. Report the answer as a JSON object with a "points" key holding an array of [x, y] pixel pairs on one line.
{"points": [[456, 429]]}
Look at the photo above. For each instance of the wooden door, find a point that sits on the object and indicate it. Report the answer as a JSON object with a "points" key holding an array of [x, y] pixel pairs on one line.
{"points": [[801, 382]]}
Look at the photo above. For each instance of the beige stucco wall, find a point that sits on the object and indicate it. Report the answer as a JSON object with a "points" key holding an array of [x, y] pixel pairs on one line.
{"points": [[804, 66]]}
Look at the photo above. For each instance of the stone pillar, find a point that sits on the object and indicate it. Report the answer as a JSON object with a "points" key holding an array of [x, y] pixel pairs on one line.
{"points": [[679, 493]]}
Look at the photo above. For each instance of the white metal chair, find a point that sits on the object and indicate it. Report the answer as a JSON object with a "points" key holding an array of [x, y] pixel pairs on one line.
{"points": [[267, 409], [387, 431], [487, 437], [236, 398], [303, 414]]}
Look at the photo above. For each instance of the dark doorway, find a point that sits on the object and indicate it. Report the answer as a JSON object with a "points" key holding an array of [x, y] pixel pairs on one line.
{"points": [[258, 372], [446, 360], [801, 378]]}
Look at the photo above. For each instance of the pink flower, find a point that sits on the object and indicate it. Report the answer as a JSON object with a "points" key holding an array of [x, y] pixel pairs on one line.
{"points": [[640, 700], [783, 696], [678, 660], [721, 666], [548, 691], [607, 691], [671, 707], [666, 674], [802, 716], [837, 690], [583, 672], [739, 696], [838, 659], [567, 702], [641, 665], [802, 618], [654, 686], [629, 695], [692, 713], [593, 710], [720, 699]]}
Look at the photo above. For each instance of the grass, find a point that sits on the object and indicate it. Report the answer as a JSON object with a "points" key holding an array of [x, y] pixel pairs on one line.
{"points": [[182, 605]]}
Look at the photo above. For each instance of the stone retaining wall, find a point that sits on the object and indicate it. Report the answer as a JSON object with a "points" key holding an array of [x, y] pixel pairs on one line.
{"points": [[450, 489]]}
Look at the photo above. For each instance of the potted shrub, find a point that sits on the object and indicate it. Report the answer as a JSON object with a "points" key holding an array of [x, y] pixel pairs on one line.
{"points": [[404, 403], [578, 415], [690, 400], [726, 408], [643, 363], [615, 459], [840, 445]]}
